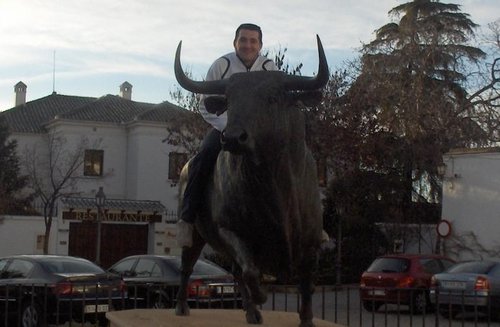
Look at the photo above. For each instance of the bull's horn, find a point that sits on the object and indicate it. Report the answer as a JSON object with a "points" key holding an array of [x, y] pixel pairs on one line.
{"points": [[304, 83], [205, 87]]}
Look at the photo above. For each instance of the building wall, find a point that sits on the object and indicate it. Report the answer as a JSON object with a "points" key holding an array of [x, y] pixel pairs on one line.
{"points": [[471, 203], [19, 235], [110, 138], [135, 167], [148, 170]]}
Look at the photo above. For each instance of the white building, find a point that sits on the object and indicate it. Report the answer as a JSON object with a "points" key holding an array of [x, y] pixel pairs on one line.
{"points": [[125, 153], [471, 203]]}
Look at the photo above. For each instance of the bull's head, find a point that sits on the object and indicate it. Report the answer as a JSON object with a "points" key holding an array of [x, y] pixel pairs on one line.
{"points": [[252, 99]]}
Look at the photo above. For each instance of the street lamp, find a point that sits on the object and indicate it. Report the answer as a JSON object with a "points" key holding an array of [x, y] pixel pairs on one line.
{"points": [[338, 264], [100, 200]]}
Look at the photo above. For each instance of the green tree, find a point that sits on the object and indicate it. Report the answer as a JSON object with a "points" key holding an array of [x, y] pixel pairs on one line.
{"points": [[413, 79], [412, 99], [11, 181]]}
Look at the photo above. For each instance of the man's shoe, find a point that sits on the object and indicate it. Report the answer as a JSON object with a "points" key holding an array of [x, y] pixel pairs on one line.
{"points": [[184, 234]]}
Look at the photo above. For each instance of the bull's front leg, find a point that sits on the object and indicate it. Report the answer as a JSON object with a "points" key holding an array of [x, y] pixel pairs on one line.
{"points": [[250, 275], [307, 274], [189, 257], [306, 288]]}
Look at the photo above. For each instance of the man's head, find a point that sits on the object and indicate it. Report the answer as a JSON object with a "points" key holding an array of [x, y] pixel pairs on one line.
{"points": [[248, 43]]}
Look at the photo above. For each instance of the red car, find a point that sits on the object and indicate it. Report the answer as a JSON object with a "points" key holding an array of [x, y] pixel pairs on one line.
{"points": [[401, 279]]}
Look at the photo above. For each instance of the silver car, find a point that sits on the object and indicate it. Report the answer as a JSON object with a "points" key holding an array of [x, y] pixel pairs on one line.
{"points": [[472, 286]]}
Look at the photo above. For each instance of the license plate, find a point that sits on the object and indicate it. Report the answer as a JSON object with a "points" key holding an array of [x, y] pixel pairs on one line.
{"points": [[453, 285], [376, 292], [225, 289], [91, 308]]}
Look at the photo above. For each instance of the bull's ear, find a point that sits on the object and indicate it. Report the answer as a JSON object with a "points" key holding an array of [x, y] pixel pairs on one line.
{"points": [[309, 98], [216, 104]]}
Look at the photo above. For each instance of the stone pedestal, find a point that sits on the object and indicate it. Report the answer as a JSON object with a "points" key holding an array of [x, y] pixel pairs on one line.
{"points": [[204, 318]]}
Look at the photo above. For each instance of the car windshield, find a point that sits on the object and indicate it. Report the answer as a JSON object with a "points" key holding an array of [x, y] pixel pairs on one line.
{"points": [[71, 266], [389, 265], [476, 267]]}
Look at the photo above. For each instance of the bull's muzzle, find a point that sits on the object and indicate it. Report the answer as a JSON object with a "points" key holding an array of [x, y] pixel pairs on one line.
{"points": [[234, 140]]}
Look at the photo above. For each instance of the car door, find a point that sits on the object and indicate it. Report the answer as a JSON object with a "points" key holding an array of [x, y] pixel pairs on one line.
{"points": [[4, 293], [494, 278], [148, 279], [15, 285], [125, 268]]}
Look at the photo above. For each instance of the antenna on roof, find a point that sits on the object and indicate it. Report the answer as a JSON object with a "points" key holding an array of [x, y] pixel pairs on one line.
{"points": [[54, 74]]}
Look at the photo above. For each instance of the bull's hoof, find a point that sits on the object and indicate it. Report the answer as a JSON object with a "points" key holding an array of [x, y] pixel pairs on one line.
{"points": [[254, 316], [182, 309], [307, 323]]}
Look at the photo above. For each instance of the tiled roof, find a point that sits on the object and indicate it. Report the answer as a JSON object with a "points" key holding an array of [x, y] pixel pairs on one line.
{"points": [[109, 108], [164, 111], [115, 204], [32, 116]]}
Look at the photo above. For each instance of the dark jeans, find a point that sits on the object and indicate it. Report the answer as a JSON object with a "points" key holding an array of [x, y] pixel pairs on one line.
{"points": [[200, 168]]}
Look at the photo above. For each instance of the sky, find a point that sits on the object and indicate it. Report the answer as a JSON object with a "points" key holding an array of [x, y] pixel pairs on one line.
{"points": [[89, 48]]}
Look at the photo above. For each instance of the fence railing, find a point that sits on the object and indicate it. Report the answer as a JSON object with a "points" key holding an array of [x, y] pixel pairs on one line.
{"points": [[339, 304]]}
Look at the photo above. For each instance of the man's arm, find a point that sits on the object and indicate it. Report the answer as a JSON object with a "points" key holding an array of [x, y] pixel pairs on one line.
{"points": [[216, 72]]}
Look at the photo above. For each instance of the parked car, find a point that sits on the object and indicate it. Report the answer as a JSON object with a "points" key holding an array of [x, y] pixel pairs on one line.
{"points": [[472, 286], [153, 281], [40, 289], [402, 279]]}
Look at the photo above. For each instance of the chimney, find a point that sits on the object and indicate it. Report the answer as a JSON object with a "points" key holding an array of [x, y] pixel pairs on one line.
{"points": [[20, 91], [126, 90]]}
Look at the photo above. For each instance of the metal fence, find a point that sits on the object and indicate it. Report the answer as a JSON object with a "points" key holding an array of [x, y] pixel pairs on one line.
{"points": [[344, 306], [338, 304]]}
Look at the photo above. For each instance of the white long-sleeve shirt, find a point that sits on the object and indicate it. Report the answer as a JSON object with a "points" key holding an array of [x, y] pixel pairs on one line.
{"points": [[223, 68]]}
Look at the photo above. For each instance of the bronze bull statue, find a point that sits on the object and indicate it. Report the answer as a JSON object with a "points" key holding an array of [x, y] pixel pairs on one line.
{"points": [[262, 207]]}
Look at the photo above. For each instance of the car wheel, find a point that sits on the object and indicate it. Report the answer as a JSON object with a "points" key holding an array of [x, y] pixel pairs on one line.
{"points": [[420, 301], [30, 315], [371, 306]]}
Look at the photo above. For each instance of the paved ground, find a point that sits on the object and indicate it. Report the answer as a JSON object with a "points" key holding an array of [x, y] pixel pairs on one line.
{"points": [[205, 318]]}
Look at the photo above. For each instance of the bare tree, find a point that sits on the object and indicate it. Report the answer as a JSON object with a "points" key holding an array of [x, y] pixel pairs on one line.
{"points": [[51, 173], [186, 130], [486, 95]]}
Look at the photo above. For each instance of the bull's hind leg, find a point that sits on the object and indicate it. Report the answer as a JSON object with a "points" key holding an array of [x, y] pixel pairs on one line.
{"points": [[249, 278], [245, 296], [307, 273], [189, 257]]}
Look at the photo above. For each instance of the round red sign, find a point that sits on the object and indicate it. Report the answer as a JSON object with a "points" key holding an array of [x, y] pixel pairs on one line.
{"points": [[443, 228]]}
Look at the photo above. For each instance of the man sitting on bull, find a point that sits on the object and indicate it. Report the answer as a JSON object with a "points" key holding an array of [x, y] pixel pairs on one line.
{"points": [[245, 58]]}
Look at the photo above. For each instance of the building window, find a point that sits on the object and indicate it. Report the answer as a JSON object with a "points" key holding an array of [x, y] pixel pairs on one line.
{"points": [[93, 160], [176, 161]]}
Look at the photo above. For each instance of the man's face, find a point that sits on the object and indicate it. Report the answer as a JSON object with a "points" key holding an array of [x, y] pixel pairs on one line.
{"points": [[247, 46]]}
